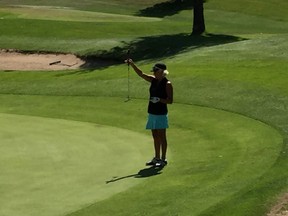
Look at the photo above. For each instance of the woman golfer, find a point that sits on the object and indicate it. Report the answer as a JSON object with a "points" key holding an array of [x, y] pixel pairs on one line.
{"points": [[161, 94]]}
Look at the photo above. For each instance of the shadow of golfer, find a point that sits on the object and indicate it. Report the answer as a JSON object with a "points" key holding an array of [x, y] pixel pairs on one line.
{"points": [[144, 173]]}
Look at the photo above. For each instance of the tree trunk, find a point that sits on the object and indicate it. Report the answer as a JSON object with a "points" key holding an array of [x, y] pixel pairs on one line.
{"points": [[198, 18]]}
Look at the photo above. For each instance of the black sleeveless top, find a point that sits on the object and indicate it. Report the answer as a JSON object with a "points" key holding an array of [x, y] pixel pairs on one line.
{"points": [[158, 89]]}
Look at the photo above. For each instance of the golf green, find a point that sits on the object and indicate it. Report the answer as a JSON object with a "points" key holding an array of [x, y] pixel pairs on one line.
{"points": [[50, 165], [55, 166]]}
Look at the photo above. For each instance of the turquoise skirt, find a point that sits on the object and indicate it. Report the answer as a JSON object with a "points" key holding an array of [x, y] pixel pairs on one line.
{"points": [[157, 122]]}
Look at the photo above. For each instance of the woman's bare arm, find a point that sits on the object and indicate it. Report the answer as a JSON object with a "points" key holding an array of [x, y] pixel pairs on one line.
{"points": [[146, 77]]}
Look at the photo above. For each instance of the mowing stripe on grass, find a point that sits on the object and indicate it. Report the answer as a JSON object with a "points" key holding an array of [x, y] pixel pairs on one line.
{"points": [[67, 14], [52, 166]]}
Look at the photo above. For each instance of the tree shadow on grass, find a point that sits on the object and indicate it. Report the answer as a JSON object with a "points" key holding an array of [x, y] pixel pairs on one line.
{"points": [[154, 47], [144, 173], [168, 8]]}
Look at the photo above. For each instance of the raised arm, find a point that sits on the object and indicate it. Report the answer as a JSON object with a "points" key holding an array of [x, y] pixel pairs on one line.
{"points": [[146, 77]]}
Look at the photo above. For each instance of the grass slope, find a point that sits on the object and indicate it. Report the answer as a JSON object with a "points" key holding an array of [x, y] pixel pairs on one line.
{"points": [[87, 32], [66, 14]]}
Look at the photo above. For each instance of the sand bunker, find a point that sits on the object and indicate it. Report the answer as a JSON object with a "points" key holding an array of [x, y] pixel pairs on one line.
{"points": [[13, 60]]}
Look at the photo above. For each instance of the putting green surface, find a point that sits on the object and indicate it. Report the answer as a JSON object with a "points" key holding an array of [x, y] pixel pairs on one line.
{"points": [[51, 166], [55, 167]]}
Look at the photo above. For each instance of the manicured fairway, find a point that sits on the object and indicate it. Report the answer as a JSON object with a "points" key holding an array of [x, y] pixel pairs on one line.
{"points": [[67, 14]]}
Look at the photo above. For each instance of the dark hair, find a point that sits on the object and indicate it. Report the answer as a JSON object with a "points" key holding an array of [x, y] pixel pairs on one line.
{"points": [[158, 66], [161, 66]]}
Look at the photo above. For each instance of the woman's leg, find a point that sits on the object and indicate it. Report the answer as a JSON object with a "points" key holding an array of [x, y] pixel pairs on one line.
{"points": [[163, 142], [160, 143], [157, 142]]}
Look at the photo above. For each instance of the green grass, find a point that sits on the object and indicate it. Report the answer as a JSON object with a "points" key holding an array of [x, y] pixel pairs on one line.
{"points": [[66, 14], [60, 169], [228, 126], [111, 6], [268, 9], [69, 151], [47, 29]]}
